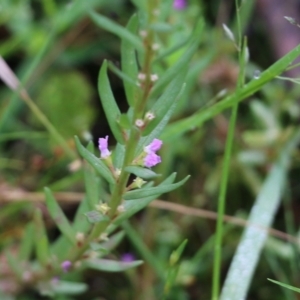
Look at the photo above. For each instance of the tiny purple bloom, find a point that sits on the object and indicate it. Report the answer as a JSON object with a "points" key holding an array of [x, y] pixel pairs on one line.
{"points": [[103, 147], [154, 146], [66, 265], [151, 159], [127, 257], [179, 4]]}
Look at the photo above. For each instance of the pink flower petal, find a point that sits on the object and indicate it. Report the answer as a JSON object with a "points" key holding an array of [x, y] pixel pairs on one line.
{"points": [[103, 147]]}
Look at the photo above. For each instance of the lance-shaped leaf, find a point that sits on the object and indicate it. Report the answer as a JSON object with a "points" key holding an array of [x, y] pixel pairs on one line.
{"points": [[181, 63], [27, 242], [143, 173], [129, 62], [59, 217], [118, 30], [158, 190], [91, 182], [111, 265], [80, 224], [146, 140], [61, 287], [109, 245], [94, 161], [41, 239], [71, 13], [118, 156], [132, 207], [14, 264], [165, 101], [109, 104], [173, 267], [96, 217]]}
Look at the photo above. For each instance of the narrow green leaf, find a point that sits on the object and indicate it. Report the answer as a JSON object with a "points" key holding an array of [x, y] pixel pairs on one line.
{"points": [[285, 285], [162, 27], [118, 156], [111, 244], [95, 162], [176, 254], [132, 207], [27, 243], [72, 12], [129, 62], [165, 101], [178, 128], [118, 30], [14, 264], [91, 182], [59, 217], [144, 141], [176, 47], [124, 122], [173, 268], [96, 217], [91, 186], [261, 216], [41, 239], [140, 4], [109, 104], [182, 62], [68, 288], [146, 192], [111, 265], [80, 224], [141, 172]]}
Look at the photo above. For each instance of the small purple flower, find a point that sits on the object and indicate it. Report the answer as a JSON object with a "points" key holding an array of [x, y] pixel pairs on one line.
{"points": [[154, 146], [179, 4], [103, 147], [151, 160], [66, 265], [127, 257]]}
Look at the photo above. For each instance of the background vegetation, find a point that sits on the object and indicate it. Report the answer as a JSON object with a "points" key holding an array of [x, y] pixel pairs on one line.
{"points": [[56, 49]]}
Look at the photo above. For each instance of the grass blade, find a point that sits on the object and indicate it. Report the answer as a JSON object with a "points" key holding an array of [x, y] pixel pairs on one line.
{"points": [[248, 252], [178, 128]]}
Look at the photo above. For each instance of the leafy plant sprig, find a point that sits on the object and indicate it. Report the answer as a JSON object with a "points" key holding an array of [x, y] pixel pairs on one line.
{"points": [[83, 244]]}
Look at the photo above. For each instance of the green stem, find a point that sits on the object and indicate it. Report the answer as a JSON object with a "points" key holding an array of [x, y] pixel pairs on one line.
{"points": [[221, 206], [51, 129], [116, 198], [226, 169]]}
